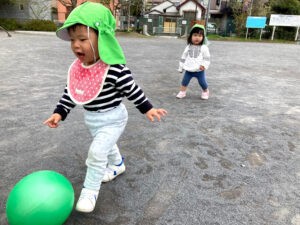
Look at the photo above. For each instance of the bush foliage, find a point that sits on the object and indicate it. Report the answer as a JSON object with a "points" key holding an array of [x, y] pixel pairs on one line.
{"points": [[35, 25]]}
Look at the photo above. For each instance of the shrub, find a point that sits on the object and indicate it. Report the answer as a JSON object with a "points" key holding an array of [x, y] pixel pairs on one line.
{"points": [[35, 25], [9, 24], [39, 25]]}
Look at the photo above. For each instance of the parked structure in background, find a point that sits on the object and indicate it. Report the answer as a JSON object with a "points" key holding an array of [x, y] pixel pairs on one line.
{"points": [[64, 7], [175, 17], [54, 10], [161, 17], [165, 16]]}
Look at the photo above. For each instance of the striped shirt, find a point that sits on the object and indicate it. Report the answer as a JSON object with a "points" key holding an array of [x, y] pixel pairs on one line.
{"points": [[118, 83]]}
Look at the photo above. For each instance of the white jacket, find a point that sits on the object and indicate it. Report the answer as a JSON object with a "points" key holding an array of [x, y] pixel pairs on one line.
{"points": [[193, 57]]}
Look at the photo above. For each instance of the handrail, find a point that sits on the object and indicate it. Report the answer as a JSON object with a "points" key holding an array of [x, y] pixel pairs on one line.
{"points": [[8, 34]]}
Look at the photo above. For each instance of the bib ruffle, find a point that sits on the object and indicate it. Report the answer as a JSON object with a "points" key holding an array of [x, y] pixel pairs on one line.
{"points": [[86, 82]]}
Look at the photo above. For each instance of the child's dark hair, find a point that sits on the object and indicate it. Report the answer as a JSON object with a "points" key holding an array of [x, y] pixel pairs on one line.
{"points": [[197, 30], [74, 27]]}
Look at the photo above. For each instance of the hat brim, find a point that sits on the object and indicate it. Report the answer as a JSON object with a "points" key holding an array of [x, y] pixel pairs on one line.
{"points": [[63, 32]]}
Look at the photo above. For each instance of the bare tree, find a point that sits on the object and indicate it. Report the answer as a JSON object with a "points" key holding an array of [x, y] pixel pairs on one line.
{"points": [[69, 4], [242, 9], [240, 15], [40, 9]]}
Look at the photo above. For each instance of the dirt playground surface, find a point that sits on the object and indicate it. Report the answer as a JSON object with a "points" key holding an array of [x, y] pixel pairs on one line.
{"points": [[231, 160]]}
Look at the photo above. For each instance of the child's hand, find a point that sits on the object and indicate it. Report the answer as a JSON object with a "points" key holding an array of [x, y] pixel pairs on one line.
{"points": [[202, 68], [152, 113], [180, 70], [53, 121]]}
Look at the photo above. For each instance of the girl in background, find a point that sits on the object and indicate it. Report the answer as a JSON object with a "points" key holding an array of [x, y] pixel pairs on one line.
{"points": [[195, 60]]}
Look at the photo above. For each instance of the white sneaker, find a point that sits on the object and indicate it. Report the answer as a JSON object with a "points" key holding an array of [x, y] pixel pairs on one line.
{"points": [[87, 200], [205, 94], [112, 171], [181, 94]]}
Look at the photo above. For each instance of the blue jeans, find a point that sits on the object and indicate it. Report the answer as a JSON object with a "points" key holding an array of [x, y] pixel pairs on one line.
{"points": [[106, 128], [200, 77]]}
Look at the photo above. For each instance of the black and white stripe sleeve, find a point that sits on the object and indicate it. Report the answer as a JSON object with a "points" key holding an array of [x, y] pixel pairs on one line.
{"points": [[126, 85], [64, 105]]}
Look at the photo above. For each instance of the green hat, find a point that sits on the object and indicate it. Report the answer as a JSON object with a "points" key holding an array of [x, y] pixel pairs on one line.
{"points": [[98, 17], [199, 26]]}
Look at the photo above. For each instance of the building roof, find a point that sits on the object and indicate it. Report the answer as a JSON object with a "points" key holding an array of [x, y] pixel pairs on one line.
{"points": [[196, 3]]}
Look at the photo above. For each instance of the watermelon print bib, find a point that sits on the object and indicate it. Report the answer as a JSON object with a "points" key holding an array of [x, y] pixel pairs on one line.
{"points": [[86, 82]]}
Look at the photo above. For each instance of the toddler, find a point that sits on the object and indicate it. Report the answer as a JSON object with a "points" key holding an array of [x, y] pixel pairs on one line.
{"points": [[195, 60], [98, 80]]}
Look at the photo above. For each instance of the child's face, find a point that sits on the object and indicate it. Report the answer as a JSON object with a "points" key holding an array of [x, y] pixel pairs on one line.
{"points": [[81, 44], [197, 38]]}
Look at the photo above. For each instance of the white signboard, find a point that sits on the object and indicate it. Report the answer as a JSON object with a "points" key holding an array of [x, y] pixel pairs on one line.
{"points": [[285, 20]]}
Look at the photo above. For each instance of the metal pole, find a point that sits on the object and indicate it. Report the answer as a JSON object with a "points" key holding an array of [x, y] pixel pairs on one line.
{"points": [[144, 8], [251, 7], [273, 32], [249, 15], [8, 34], [297, 33], [196, 14], [128, 21], [207, 14], [260, 34]]}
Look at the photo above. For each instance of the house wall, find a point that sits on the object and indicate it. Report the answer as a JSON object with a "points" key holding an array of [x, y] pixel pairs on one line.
{"points": [[171, 10], [27, 9], [18, 11], [191, 6]]}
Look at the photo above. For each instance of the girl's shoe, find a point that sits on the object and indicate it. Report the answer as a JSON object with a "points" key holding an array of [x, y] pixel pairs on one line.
{"points": [[181, 94], [112, 171], [87, 200], [205, 95]]}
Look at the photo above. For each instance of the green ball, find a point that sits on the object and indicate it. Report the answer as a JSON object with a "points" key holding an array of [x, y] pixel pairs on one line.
{"points": [[40, 198]]}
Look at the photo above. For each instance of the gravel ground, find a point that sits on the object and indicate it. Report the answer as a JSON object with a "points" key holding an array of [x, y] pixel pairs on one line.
{"points": [[231, 160]]}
